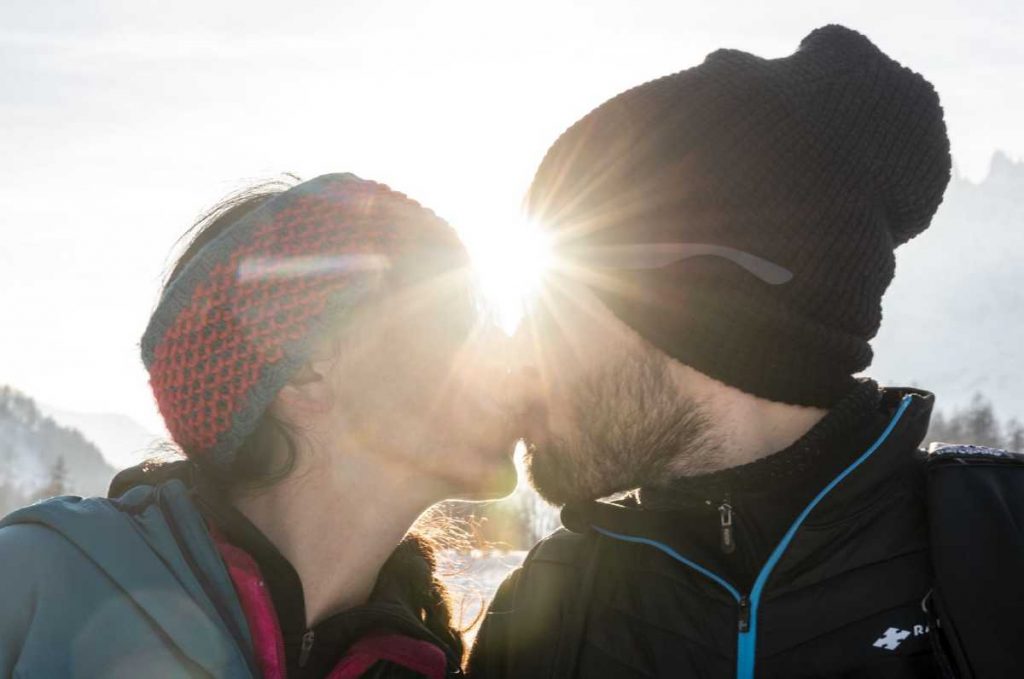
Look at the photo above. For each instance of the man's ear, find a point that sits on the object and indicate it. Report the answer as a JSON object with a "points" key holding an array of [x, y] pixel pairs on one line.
{"points": [[309, 393]]}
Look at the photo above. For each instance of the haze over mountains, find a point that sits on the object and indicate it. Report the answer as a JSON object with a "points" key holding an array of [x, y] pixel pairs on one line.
{"points": [[123, 441], [954, 317], [33, 447]]}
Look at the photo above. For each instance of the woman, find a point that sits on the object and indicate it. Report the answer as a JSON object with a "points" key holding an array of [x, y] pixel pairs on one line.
{"points": [[318, 357]]}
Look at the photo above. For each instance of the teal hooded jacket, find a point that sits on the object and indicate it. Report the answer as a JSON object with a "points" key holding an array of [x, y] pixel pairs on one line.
{"points": [[124, 587]]}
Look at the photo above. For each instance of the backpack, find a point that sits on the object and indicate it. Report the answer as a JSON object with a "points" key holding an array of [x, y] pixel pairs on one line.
{"points": [[975, 499]]}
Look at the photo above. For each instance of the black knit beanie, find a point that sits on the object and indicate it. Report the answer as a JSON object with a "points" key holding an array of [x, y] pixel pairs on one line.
{"points": [[817, 165]]}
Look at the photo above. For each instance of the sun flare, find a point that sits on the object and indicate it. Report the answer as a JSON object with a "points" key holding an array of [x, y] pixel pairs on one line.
{"points": [[510, 264]]}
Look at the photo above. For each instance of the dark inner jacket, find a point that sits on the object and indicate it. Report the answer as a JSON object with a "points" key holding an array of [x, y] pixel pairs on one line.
{"points": [[766, 495], [654, 585], [389, 608]]}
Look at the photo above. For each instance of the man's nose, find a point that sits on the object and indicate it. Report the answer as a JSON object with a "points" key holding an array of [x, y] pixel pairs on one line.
{"points": [[507, 364], [525, 345], [493, 350]]}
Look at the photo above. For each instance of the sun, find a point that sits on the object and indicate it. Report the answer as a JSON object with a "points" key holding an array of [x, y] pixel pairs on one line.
{"points": [[510, 265]]}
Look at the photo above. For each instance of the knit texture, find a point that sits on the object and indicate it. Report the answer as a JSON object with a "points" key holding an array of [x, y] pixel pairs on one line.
{"points": [[822, 162], [232, 327]]}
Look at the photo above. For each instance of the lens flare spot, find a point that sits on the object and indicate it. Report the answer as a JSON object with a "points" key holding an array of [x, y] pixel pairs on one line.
{"points": [[510, 265]]}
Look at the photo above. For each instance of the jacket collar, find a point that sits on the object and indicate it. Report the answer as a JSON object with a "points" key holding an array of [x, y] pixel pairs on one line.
{"points": [[897, 435], [825, 445]]}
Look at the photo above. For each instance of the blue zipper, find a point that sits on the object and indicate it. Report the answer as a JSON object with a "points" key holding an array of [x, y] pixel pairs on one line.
{"points": [[749, 605]]}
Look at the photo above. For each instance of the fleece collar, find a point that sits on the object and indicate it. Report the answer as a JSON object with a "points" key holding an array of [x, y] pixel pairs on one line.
{"points": [[690, 523]]}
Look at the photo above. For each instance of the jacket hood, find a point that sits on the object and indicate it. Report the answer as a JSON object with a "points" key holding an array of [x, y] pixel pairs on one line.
{"points": [[152, 543]]}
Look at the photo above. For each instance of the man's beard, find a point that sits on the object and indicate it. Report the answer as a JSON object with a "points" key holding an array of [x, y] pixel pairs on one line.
{"points": [[631, 428]]}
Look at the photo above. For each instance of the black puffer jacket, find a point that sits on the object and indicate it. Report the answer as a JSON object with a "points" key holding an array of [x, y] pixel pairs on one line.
{"points": [[821, 574]]}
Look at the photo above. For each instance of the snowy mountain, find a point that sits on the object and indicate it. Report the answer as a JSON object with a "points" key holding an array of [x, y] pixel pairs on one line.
{"points": [[954, 316], [36, 453], [123, 441]]}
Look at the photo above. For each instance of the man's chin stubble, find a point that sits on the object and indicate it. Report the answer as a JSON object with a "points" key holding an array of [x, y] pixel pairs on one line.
{"points": [[550, 473], [652, 435], [563, 478]]}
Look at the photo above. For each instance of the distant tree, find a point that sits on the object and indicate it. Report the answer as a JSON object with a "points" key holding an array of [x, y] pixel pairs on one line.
{"points": [[57, 485], [10, 498], [1015, 436], [981, 424], [977, 424], [82, 471], [940, 429]]}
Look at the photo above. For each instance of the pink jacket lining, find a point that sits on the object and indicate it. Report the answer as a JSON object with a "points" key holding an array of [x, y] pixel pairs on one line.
{"points": [[414, 654]]}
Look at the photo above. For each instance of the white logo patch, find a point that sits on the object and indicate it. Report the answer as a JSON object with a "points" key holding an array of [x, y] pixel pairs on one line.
{"points": [[892, 639], [894, 636]]}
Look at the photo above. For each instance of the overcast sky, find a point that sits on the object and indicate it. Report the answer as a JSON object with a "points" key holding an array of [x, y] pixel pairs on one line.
{"points": [[123, 120]]}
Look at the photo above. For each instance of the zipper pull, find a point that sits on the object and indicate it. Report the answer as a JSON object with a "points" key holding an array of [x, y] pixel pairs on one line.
{"points": [[725, 521], [744, 614], [307, 646]]}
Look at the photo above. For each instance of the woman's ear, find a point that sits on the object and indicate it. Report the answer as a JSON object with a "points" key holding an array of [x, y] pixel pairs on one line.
{"points": [[309, 394]]}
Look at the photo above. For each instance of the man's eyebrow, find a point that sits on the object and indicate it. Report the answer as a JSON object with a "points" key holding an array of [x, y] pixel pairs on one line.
{"points": [[638, 256]]}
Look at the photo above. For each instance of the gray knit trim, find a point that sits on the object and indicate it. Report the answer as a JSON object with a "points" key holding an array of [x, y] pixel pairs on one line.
{"points": [[178, 295]]}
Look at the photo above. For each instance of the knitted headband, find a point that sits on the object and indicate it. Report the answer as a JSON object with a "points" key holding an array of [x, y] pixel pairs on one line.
{"points": [[233, 326]]}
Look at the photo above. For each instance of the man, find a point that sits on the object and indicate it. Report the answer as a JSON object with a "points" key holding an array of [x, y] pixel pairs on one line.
{"points": [[726, 235]]}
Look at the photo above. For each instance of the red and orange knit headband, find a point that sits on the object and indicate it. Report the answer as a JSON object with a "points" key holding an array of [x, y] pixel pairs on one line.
{"points": [[232, 327]]}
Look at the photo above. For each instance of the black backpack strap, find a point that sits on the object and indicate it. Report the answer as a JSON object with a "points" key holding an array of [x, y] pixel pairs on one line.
{"points": [[947, 658], [976, 528]]}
